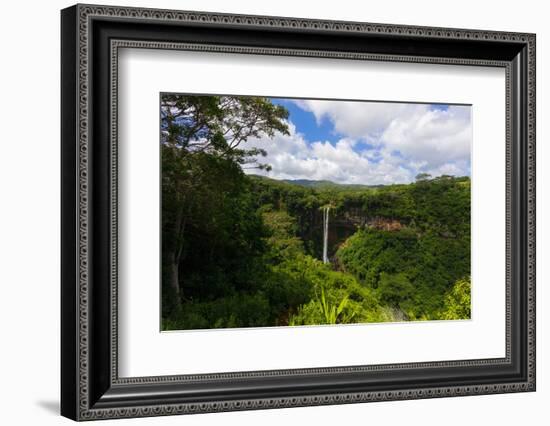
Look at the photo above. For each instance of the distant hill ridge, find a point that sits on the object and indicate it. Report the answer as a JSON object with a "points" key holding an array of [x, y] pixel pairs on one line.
{"points": [[327, 183], [318, 184]]}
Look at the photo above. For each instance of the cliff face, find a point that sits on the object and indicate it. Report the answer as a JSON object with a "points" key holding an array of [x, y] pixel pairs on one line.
{"points": [[345, 222], [354, 216]]}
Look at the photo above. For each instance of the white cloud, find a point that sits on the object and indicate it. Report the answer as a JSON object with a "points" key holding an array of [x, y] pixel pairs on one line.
{"points": [[460, 168], [292, 158], [402, 140], [419, 132], [434, 137], [356, 119]]}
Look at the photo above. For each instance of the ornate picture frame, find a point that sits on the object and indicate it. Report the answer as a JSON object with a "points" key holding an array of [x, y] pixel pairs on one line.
{"points": [[91, 39]]}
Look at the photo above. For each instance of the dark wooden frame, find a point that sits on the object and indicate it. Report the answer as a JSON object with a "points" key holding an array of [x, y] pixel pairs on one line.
{"points": [[90, 386]]}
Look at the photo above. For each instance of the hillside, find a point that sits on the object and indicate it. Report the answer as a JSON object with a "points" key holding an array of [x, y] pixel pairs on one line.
{"points": [[318, 184]]}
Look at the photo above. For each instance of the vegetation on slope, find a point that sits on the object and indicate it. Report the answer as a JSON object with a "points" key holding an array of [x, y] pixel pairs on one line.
{"points": [[242, 251]]}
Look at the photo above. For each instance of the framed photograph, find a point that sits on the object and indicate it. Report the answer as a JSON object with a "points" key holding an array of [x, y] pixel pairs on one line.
{"points": [[263, 212]]}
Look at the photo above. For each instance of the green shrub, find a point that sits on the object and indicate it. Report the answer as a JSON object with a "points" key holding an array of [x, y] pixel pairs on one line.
{"points": [[458, 301]]}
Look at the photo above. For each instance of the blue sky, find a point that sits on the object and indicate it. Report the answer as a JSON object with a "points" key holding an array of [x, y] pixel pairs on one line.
{"points": [[306, 123], [369, 142]]}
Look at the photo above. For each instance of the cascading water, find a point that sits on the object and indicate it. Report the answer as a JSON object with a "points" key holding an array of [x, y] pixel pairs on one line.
{"points": [[326, 211]]}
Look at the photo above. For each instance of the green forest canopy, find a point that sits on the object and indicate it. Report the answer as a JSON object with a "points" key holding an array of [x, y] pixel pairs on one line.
{"points": [[243, 251]]}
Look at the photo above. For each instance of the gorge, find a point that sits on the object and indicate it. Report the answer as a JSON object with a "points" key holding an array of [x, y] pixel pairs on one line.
{"points": [[281, 253]]}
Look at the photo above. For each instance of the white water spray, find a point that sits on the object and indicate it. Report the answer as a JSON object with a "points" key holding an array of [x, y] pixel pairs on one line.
{"points": [[326, 211]]}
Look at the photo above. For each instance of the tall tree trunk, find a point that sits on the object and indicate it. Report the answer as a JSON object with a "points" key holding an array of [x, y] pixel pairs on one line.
{"points": [[173, 273], [174, 255]]}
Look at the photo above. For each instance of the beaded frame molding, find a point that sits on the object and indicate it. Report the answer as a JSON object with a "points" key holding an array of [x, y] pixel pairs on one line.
{"points": [[91, 38]]}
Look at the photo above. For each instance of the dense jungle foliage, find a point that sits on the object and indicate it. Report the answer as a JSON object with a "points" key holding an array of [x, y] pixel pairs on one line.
{"points": [[240, 250]]}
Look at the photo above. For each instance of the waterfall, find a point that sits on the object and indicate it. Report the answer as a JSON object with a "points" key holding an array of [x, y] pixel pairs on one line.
{"points": [[326, 211]]}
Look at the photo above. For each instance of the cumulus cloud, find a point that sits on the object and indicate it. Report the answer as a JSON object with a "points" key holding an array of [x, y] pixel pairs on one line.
{"points": [[432, 136], [356, 119], [378, 143], [291, 157]]}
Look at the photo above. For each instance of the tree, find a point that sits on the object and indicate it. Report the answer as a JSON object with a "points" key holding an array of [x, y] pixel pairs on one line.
{"points": [[218, 125], [421, 177], [394, 288], [458, 301], [202, 140]]}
